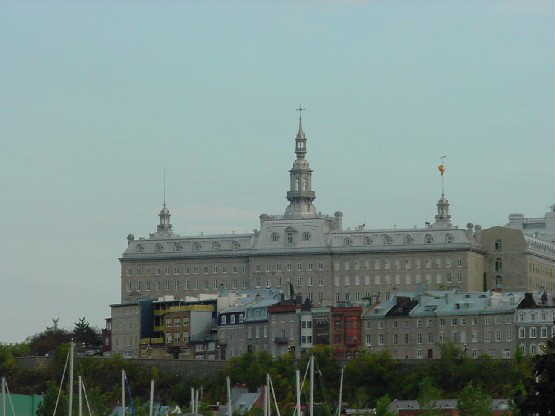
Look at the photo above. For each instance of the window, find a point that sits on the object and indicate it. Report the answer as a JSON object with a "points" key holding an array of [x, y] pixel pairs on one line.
{"points": [[306, 236], [428, 239], [275, 236], [368, 340], [367, 240], [522, 333], [223, 320], [543, 332], [289, 238], [382, 339], [419, 338], [347, 242], [498, 264], [498, 245], [533, 332], [395, 339]]}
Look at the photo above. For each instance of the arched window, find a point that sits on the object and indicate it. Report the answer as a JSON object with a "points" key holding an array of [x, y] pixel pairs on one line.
{"points": [[275, 236]]}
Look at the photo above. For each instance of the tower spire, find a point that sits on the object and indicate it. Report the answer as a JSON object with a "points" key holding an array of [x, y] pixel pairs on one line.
{"points": [[300, 194], [164, 226]]}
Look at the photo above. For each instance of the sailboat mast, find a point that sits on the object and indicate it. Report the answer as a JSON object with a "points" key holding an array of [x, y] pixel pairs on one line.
{"points": [[123, 392], [229, 409], [4, 402], [71, 353], [340, 392], [196, 400], [192, 400], [298, 378], [151, 407], [80, 384], [312, 385]]}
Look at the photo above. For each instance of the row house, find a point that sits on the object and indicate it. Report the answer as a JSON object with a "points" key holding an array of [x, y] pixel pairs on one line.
{"points": [[535, 323], [346, 331], [415, 325]]}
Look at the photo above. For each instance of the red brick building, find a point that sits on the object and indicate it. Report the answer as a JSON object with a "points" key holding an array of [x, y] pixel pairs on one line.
{"points": [[346, 336]]}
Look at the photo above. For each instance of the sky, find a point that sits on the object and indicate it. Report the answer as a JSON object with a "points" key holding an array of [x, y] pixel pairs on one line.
{"points": [[97, 98]]}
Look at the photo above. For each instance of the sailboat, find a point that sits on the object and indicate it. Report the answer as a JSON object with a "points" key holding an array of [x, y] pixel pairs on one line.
{"points": [[82, 391]]}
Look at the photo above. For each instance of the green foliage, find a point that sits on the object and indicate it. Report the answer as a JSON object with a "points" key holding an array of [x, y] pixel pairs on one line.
{"points": [[84, 334], [427, 397], [382, 406], [47, 341], [473, 401]]}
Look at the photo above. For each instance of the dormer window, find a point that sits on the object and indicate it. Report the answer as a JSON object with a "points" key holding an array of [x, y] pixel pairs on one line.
{"points": [[408, 239], [235, 245], [140, 248], [306, 236], [275, 236], [387, 239], [428, 239], [348, 242]]}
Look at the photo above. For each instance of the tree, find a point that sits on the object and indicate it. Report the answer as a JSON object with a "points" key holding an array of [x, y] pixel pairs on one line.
{"points": [[427, 398], [473, 401], [84, 334], [382, 406], [540, 395], [47, 341]]}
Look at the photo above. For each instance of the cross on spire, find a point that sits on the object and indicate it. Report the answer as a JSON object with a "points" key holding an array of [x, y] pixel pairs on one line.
{"points": [[300, 110]]}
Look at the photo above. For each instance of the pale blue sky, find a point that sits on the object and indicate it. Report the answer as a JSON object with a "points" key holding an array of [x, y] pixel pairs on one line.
{"points": [[96, 98]]}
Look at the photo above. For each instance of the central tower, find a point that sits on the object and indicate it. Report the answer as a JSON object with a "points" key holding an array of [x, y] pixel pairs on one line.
{"points": [[300, 194]]}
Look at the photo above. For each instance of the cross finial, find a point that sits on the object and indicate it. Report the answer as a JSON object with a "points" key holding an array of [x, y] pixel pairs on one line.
{"points": [[300, 110]]}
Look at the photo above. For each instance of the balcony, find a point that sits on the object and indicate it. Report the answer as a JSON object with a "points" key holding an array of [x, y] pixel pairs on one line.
{"points": [[281, 340]]}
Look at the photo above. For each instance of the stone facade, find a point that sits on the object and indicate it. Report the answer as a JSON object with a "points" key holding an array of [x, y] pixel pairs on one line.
{"points": [[415, 325], [516, 261], [126, 329], [318, 258], [541, 228]]}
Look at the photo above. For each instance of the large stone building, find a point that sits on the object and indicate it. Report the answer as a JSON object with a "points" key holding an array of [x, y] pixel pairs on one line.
{"points": [[309, 250], [541, 228]]}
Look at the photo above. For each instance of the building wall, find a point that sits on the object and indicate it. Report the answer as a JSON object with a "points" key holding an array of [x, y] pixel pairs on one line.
{"points": [[420, 338], [126, 327], [324, 278], [526, 264], [533, 328]]}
